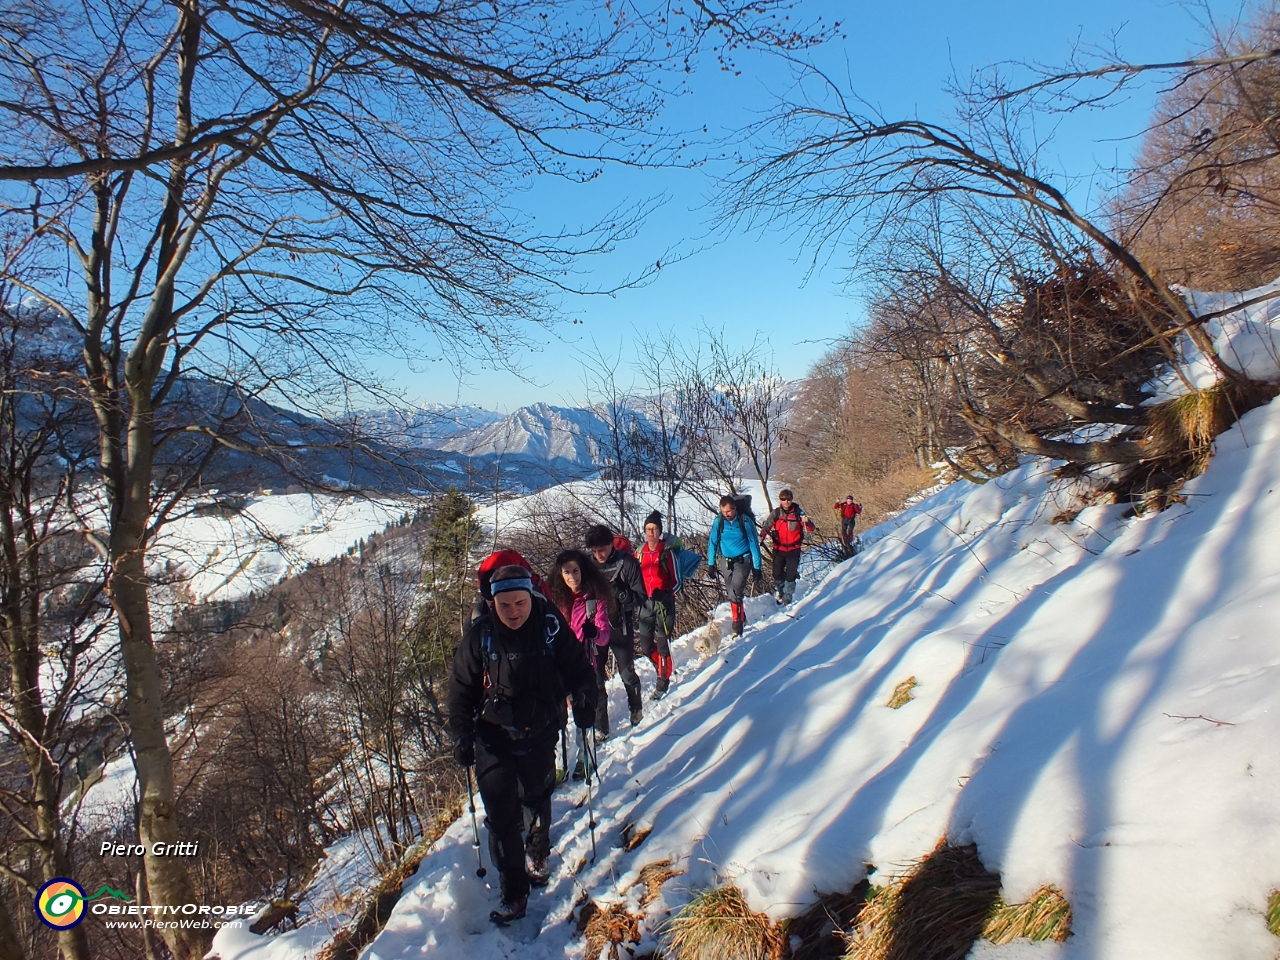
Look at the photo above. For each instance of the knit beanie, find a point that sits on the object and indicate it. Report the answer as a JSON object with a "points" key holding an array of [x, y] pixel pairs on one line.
{"points": [[655, 518]]}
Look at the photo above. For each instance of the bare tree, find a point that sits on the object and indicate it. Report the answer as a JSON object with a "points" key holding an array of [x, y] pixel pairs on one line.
{"points": [[260, 195], [50, 596], [745, 401], [670, 447], [1045, 321], [1203, 198], [620, 441]]}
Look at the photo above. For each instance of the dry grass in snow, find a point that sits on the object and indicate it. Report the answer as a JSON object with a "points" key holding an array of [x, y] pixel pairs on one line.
{"points": [[718, 924]]}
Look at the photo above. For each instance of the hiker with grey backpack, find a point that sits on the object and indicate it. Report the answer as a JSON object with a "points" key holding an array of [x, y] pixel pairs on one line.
{"points": [[613, 554], [508, 684], [734, 547]]}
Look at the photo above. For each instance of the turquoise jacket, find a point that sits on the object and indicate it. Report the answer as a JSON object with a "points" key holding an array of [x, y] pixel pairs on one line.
{"points": [[734, 538]]}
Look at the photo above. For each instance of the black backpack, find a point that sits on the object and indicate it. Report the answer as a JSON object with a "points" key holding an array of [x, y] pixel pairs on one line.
{"points": [[518, 709]]}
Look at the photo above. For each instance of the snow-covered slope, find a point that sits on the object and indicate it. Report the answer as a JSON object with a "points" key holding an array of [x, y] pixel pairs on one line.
{"points": [[571, 437], [228, 556], [1098, 708]]}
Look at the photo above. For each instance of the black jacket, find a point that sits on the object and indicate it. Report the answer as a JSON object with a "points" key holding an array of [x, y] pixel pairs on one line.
{"points": [[623, 571], [530, 675]]}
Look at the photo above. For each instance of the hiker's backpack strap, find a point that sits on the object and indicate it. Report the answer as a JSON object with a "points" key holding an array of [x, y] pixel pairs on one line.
{"points": [[551, 627], [486, 650]]}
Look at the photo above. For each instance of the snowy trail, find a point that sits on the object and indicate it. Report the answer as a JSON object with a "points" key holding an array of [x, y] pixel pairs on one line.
{"points": [[1055, 664]]}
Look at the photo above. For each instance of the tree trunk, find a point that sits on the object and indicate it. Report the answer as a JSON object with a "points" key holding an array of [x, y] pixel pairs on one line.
{"points": [[73, 943], [168, 881], [22, 629], [10, 943]]}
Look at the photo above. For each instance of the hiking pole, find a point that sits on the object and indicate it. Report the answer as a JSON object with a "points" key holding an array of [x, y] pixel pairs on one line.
{"points": [[591, 814], [475, 830], [564, 749]]}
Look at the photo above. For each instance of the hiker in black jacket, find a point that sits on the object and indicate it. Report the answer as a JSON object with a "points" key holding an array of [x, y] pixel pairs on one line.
{"points": [[507, 688], [623, 572]]}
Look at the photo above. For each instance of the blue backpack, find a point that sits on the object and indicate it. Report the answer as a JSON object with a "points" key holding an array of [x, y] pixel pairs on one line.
{"points": [[686, 563]]}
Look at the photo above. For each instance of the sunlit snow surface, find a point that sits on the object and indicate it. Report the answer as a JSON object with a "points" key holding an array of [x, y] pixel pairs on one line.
{"points": [[1054, 662], [1098, 708], [275, 536]]}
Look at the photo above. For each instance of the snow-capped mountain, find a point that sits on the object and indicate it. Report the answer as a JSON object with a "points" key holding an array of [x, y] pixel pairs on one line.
{"points": [[539, 432]]}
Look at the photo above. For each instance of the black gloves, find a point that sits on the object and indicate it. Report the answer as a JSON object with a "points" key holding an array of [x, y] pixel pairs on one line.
{"points": [[584, 712], [464, 751], [713, 571], [589, 630], [757, 576]]}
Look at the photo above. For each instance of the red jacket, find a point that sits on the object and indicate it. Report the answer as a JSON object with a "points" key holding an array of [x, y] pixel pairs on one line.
{"points": [[658, 569], [848, 510], [787, 528]]}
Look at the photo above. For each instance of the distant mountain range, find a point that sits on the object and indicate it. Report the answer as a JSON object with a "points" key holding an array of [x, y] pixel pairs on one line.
{"points": [[537, 445], [540, 432], [389, 450]]}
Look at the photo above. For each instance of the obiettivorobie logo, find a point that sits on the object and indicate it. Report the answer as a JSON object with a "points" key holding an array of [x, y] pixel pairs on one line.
{"points": [[60, 902]]}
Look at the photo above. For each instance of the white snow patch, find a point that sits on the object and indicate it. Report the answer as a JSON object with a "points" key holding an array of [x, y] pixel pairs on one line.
{"points": [[108, 803], [230, 556]]}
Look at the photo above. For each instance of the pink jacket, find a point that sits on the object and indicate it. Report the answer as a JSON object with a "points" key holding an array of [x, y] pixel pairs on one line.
{"points": [[578, 616]]}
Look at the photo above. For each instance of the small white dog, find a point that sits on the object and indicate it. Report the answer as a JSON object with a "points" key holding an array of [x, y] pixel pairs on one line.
{"points": [[708, 642]]}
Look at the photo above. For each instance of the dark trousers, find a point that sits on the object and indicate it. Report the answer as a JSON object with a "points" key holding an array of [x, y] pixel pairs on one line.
{"points": [[515, 782], [735, 583], [602, 695], [786, 571], [654, 627], [624, 661], [656, 623], [846, 528]]}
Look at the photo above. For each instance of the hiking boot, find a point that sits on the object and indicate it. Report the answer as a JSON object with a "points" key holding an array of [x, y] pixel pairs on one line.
{"points": [[637, 715], [539, 871], [737, 627], [780, 598], [660, 688], [509, 912], [580, 769]]}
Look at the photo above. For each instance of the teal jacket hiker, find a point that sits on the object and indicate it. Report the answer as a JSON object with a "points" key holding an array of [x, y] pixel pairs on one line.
{"points": [[734, 538]]}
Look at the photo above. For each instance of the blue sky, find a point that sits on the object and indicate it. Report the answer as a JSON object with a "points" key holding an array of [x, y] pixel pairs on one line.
{"points": [[897, 56]]}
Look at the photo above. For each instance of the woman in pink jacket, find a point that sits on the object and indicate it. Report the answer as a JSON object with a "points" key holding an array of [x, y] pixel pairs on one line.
{"points": [[583, 593]]}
